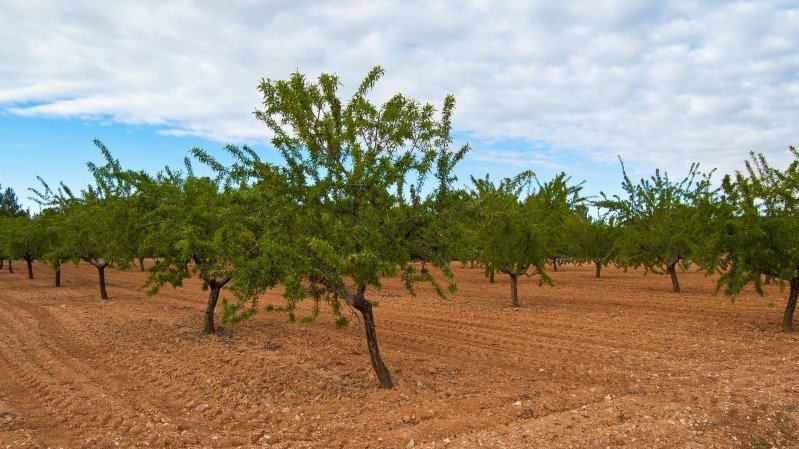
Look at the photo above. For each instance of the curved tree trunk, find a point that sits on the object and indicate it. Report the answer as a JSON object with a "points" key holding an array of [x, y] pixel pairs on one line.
{"points": [[514, 289], [29, 262], [215, 285], [787, 319], [213, 298], [675, 283], [101, 275], [365, 307]]}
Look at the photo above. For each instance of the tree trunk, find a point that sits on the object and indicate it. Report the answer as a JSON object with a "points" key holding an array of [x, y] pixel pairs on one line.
{"points": [[141, 263], [29, 262], [58, 276], [213, 298], [10, 268], [598, 269], [215, 285], [787, 319], [675, 283], [2, 262], [491, 276], [383, 375], [101, 274], [514, 290], [555, 264]]}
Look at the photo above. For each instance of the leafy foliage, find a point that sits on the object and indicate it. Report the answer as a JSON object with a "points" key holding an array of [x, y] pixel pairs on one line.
{"points": [[595, 240], [9, 205], [512, 234], [202, 226], [758, 232], [353, 175], [660, 220], [99, 224]]}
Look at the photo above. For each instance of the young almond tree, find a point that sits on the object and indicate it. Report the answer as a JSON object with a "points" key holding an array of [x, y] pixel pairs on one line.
{"points": [[97, 224], [26, 240], [52, 226], [758, 232], [351, 171], [513, 235], [596, 241], [54, 252], [197, 226], [660, 221]]}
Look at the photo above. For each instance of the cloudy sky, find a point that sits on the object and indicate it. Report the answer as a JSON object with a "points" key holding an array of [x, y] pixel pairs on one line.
{"points": [[547, 86]]}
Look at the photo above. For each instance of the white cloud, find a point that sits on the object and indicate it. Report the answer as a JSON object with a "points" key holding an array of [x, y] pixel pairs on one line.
{"points": [[658, 82]]}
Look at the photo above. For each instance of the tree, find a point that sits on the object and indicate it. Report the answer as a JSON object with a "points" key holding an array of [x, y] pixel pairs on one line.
{"points": [[514, 235], [52, 227], [596, 241], [26, 240], [54, 252], [9, 208], [99, 224], [758, 230], [198, 225], [660, 221], [351, 173]]}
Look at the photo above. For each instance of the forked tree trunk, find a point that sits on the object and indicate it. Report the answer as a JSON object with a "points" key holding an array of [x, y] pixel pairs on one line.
{"points": [[675, 283], [213, 298], [141, 263], [514, 290], [787, 319], [598, 269], [101, 274], [29, 262], [383, 375]]}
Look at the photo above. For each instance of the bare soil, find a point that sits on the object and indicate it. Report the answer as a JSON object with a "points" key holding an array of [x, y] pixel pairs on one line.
{"points": [[617, 361]]}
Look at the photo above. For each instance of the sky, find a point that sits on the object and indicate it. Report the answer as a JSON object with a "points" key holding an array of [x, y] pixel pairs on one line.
{"points": [[539, 85]]}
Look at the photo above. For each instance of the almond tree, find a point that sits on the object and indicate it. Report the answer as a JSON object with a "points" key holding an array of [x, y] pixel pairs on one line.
{"points": [[97, 223], [352, 169], [596, 241], [660, 221], [513, 234], [198, 226], [52, 226], [758, 230], [26, 240]]}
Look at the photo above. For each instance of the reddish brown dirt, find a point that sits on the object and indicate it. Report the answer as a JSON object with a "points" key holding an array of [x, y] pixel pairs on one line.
{"points": [[619, 361]]}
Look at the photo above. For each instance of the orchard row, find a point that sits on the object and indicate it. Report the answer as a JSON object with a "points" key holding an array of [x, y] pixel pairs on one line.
{"points": [[367, 192]]}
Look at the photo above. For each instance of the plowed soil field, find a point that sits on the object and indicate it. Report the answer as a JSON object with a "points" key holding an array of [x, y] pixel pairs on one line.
{"points": [[591, 363]]}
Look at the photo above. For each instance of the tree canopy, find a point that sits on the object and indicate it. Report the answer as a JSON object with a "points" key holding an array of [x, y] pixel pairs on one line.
{"points": [[758, 233], [660, 220], [9, 205], [352, 172], [518, 227]]}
